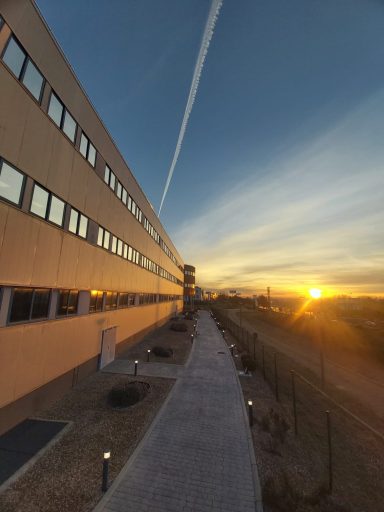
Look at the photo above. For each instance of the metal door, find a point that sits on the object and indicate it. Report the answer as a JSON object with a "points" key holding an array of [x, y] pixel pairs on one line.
{"points": [[108, 344]]}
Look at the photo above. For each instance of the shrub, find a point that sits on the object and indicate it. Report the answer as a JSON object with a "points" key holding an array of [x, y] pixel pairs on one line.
{"points": [[179, 327], [248, 362], [127, 394], [162, 352]]}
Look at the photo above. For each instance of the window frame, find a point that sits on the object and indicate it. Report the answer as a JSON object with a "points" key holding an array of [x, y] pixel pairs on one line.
{"points": [[48, 206], [22, 188], [66, 314], [30, 319], [78, 222]]}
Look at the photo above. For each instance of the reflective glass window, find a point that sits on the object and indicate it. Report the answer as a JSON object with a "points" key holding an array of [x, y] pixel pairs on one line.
{"points": [[112, 181], [55, 109], [119, 247], [73, 220], [96, 301], [130, 253], [114, 244], [100, 236], [69, 126], [67, 302], [124, 196], [21, 304], [107, 236], [125, 251], [56, 211], [107, 174], [92, 155], [84, 145], [40, 303], [39, 201], [14, 57], [11, 183], [33, 80], [83, 225], [119, 190]]}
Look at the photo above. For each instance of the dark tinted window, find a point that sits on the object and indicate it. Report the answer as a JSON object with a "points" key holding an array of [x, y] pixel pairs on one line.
{"points": [[14, 57], [123, 300], [67, 304], [40, 303], [96, 302], [21, 304], [111, 300]]}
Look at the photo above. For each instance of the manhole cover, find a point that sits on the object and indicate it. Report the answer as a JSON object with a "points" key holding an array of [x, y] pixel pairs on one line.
{"points": [[221, 352]]}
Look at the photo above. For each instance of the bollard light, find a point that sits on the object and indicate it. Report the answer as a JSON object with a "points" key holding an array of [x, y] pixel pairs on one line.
{"points": [[148, 353], [104, 484], [250, 413], [232, 347], [192, 338], [136, 363]]}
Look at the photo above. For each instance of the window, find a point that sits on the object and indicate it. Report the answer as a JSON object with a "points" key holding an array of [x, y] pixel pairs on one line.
{"points": [[119, 247], [130, 253], [78, 223], [123, 300], [1, 22], [56, 211], [96, 302], [119, 190], [33, 80], [103, 238], [61, 117], [125, 251], [11, 183], [87, 149], [129, 203], [114, 244], [110, 300], [124, 196], [109, 178], [29, 304], [14, 57], [47, 206], [69, 126], [39, 204], [67, 302]]}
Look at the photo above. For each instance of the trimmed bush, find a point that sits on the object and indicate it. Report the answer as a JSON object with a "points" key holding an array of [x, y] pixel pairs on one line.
{"points": [[127, 394], [162, 352], [248, 362], [179, 327]]}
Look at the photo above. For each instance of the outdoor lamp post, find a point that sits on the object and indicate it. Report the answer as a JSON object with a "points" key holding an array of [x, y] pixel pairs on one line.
{"points": [[250, 413], [148, 354], [104, 484], [136, 363]]}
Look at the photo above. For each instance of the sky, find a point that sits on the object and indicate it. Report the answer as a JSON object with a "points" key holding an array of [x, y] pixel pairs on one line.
{"points": [[280, 177]]}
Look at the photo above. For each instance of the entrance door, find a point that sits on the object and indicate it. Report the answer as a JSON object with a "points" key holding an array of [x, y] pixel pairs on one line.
{"points": [[108, 343]]}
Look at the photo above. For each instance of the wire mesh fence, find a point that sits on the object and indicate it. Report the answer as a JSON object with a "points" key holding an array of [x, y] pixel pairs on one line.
{"points": [[345, 453]]}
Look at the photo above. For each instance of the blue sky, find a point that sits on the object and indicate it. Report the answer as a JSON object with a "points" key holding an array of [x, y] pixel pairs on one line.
{"points": [[280, 180]]}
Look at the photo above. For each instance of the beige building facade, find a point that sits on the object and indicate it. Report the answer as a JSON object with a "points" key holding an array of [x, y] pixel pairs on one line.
{"points": [[83, 257]]}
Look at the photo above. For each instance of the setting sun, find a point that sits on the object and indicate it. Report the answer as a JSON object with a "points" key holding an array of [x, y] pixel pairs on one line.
{"points": [[315, 293]]}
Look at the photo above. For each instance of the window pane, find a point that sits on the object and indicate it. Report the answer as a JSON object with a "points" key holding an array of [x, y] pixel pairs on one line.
{"points": [[92, 155], [83, 145], [114, 244], [69, 126], [21, 304], [14, 57], [119, 190], [125, 252], [55, 109], [119, 247], [33, 80], [129, 203], [83, 226], [73, 221], [40, 304], [72, 302], [93, 301], [106, 240], [107, 174], [130, 253], [124, 196], [112, 181], [39, 201], [62, 307], [100, 237], [11, 183], [56, 212]]}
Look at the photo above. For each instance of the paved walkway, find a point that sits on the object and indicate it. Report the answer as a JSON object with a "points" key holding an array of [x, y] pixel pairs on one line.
{"points": [[197, 455]]}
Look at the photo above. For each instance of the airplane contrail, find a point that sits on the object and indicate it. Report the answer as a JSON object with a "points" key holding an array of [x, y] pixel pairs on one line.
{"points": [[207, 36]]}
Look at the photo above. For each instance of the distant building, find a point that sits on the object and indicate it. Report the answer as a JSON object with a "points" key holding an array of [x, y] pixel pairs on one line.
{"points": [[189, 284], [198, 293]]}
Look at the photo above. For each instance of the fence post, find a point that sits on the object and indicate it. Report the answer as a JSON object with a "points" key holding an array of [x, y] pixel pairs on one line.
{"points": [[263, 359], [294, 400], [330, 465], [276, 378]]}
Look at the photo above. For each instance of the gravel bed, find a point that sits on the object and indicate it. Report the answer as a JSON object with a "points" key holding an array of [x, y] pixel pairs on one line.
{"points": [[67, 478]]}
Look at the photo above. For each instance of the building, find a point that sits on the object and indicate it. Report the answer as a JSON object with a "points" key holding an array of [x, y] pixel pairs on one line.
{"points": [[85, 265], [198, 294], [189, 284]]}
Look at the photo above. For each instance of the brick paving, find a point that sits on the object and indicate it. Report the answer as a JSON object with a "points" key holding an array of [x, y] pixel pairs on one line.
{"points": [[197, 455]]}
